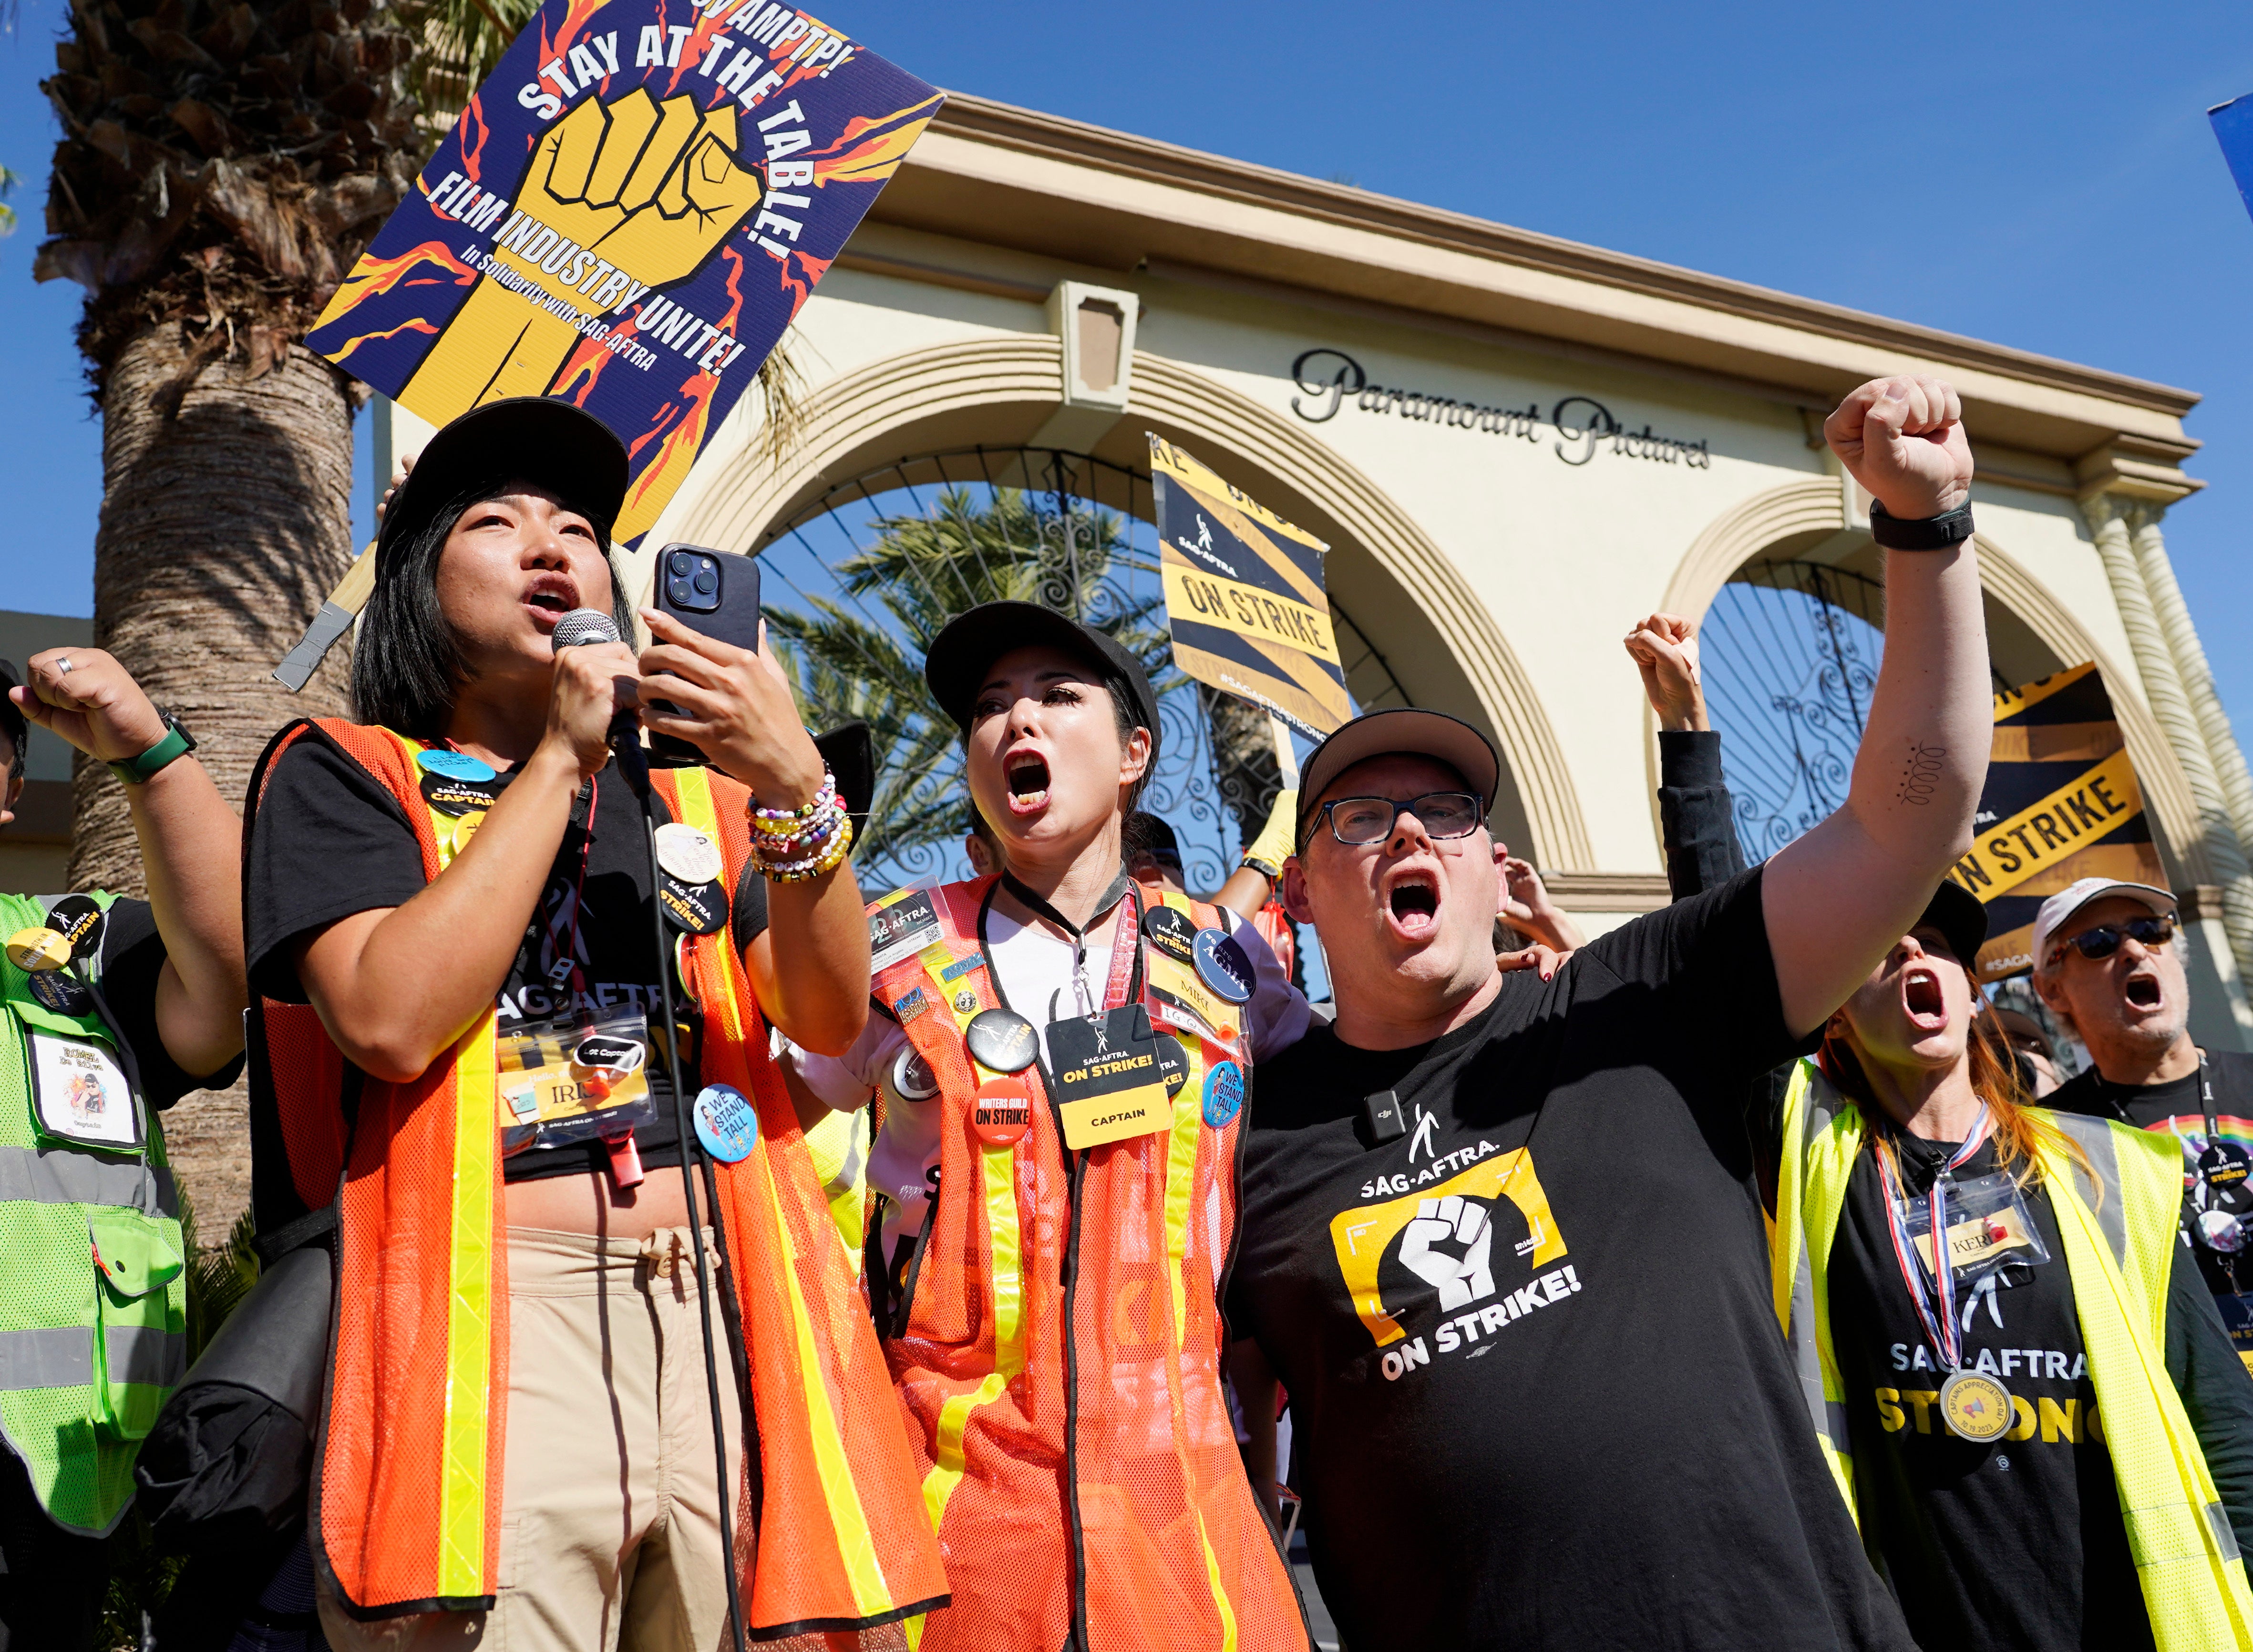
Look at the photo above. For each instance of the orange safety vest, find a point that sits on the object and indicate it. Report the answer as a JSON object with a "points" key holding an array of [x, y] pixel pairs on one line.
{"points": [[1112, 1513], [406, 1498]]}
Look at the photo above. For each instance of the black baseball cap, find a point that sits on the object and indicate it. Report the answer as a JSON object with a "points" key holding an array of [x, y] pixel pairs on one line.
{"points": [[1957, 914], [538, 438], [1399, 732], [959, 657]]}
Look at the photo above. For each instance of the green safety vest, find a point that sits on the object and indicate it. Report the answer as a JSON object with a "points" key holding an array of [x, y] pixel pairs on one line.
{"points": [[2119, 1245], [93, 1297]]}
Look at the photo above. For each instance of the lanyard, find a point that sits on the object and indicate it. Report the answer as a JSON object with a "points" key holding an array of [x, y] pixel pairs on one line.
{"points": [[1946, 1335], [1122, 955], [2205, 1098]]}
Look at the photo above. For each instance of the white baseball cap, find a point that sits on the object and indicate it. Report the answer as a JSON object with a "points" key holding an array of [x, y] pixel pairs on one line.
{"points": [[2063, 905]]}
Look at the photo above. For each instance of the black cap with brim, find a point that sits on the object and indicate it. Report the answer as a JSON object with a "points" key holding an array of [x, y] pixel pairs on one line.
{"points": [[532, 438], [1956, 913], [1399, 733], [961, 656]]}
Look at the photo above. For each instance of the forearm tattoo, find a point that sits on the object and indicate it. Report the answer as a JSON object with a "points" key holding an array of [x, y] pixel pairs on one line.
{"points": [[1920, 774]]}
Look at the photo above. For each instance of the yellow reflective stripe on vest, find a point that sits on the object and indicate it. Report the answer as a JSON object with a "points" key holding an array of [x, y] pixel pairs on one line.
{"points": [[1180, 1178], [469, 1317], [1814, 1199], [2187, 1560], [997, 1181], [856, 1546], [1181, 1157], [465, 1427]]}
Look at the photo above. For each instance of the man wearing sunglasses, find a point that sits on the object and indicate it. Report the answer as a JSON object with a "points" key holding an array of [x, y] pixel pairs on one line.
{"points": [[1499, 1236], [2108, 963]]}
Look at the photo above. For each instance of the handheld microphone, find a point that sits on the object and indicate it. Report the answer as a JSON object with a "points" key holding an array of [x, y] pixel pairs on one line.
{"points": [[583, 625]]}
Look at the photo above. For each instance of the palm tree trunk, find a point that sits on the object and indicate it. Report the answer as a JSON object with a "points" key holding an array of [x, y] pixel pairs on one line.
{"points": [[226, 519]]}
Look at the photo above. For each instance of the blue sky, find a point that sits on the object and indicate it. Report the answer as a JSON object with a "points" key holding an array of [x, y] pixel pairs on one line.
{"points": [[2040, 176]]}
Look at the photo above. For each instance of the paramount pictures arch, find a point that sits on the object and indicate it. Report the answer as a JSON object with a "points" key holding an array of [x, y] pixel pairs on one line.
{"points": [[1515, 446]]}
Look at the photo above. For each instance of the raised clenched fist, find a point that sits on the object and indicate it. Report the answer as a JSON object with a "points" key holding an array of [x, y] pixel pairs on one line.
{"points": [[643, 190], [651, 187], [1461, 1280], [1903, 439]]}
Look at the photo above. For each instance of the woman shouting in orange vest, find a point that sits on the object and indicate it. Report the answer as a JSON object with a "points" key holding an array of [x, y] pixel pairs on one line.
{"points": [[1065, 1056], [463, 937]]}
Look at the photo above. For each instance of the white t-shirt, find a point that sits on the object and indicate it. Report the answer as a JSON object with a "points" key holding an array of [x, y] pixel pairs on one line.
{"points": [[1034, 966]]}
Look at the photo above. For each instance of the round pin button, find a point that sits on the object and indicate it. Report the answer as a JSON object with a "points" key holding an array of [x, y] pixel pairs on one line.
{"points": [[1223, 965], [1224, 1094], [60, 993], [1003, 1110], [1003, 1041], [699, 909], [1171, 930], [725, 1123], [455, 765], [912, 1077], [687, 853], [78, 919], [34, 950]]}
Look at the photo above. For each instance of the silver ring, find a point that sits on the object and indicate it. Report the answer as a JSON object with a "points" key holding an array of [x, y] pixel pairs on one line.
{"points": [[63, 665]]}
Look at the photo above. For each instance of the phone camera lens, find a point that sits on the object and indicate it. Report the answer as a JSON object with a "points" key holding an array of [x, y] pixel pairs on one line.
{"points": [[677, 589], [708, 579], [683, 563]]}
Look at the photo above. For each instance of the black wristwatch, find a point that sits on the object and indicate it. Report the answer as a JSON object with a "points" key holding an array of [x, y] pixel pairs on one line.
{"points": [[1923, 533], [177, 743]]}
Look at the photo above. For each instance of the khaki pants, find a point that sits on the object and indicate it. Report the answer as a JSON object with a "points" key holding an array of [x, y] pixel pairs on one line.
{"points": [[609, 1526]]}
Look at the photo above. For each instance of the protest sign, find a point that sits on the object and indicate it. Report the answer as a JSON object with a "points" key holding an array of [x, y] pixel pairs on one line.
{"points": [[2061, 804], [626, 216], [1244, 596]]}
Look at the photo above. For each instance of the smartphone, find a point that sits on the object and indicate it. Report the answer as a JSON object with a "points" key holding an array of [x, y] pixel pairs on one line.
{"points": [[711, 592]]}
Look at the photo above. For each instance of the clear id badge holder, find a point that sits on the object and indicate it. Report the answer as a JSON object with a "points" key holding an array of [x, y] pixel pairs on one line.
{"points": [[569, 1079], [1989, 1228]]}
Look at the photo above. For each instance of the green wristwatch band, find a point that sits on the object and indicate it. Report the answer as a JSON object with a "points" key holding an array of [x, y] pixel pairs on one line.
{"points": [[177, 743]]}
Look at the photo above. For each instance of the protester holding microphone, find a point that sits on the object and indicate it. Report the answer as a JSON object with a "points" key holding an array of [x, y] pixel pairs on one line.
{"points": [[453, 930]]}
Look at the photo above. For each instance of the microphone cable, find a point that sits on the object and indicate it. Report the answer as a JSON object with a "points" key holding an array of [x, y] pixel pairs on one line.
{"points": [[592, 625]]}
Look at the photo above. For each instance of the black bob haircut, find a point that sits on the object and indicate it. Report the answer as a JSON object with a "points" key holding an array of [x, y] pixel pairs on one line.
{"points": [[407, 666]]}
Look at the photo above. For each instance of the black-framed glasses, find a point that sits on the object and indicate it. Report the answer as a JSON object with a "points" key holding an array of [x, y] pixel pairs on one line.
{"points": [[1357, 821], [2105, 939]]}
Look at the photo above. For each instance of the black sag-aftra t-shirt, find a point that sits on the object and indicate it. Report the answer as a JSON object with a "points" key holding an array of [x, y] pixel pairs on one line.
{"points": [[1540, 1397], [331, 840], [2178, 1106], [2020, 1543]]}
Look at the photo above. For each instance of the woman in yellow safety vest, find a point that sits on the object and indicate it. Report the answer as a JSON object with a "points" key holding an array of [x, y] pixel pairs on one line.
{"points": [[2044, 1407], [471, 911]]}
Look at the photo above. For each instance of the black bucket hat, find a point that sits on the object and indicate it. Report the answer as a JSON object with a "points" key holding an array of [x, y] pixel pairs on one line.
{"points": [[544, 441], [956, 664]]}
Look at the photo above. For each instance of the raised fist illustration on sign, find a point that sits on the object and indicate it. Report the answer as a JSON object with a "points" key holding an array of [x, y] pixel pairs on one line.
{"points": [[650, 189], [1461, 1280]]}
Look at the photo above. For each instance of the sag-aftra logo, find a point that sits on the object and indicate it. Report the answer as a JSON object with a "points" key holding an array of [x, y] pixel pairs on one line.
{"points": [[1445, 1239]]}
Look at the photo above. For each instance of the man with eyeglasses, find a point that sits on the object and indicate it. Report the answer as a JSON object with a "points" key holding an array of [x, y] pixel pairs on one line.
{"points": [[1500, 1235], [2107, 965]]}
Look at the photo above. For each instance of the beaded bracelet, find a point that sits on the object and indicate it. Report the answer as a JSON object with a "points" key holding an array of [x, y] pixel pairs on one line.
{"points": [[788, 823], [831, 856]]}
